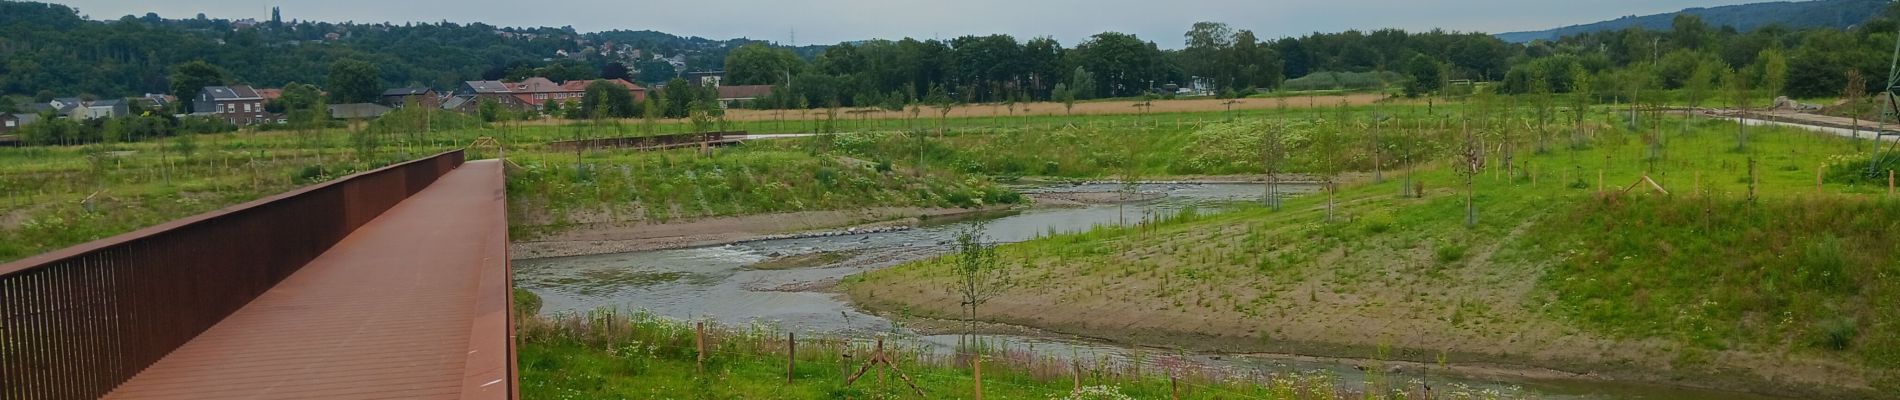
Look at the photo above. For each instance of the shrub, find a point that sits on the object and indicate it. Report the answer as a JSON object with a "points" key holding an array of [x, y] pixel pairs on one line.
{"points": [[1824, 265], [1838, 333], [826, 175], [1450, 252]]}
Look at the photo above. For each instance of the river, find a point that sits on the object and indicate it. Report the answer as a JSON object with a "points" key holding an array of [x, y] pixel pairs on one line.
{"points": [[714, 283]]}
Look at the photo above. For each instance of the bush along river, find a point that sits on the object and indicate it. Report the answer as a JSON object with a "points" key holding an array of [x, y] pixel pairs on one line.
{"points": [[785, 282]]}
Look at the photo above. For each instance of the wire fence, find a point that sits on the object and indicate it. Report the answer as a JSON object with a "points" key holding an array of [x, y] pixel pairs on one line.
{"points": [[1008, 372]]}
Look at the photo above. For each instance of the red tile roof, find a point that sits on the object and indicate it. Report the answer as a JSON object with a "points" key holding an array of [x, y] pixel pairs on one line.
{"points": [[581, 85]]}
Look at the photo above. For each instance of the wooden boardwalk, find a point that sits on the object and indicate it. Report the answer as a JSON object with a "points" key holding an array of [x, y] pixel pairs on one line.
{"points": [[413, 305]]}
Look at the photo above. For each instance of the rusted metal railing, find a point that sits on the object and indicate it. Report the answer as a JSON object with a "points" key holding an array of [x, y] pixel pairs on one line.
{"points": [[77, 322]]}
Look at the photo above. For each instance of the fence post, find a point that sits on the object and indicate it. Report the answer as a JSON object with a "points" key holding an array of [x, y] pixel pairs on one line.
{"points": [[976, 369], [1078, 377], [699, 342], [1890, 182], [1818, 171], [791, 354]]}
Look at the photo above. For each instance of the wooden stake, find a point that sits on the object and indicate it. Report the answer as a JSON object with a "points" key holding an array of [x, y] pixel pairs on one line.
{"points": [[699, 342], [1817, 177], [1890, 182], [791, 354], [976, 371], [1078, 378]]}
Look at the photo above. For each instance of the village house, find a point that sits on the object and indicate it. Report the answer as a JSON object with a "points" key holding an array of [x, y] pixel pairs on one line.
{"points": [[355, 111], [405, 96], [239, 105], [96, 109], [532, 93], [737, 96], [469, 97], [579, 88], [10, 122], [706, 78]]}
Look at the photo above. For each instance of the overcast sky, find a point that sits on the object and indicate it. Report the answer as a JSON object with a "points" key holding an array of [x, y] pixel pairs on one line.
{"points": [[831, 21]]}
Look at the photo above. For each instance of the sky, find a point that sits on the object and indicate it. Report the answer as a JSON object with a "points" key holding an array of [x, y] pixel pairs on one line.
{"points": [[832, 21]]}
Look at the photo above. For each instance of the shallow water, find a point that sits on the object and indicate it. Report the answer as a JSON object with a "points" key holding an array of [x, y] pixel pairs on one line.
{"points": [[714, 283]]}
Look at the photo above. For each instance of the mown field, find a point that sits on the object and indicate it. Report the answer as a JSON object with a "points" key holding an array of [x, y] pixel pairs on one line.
{"points": [[1784, 292]]}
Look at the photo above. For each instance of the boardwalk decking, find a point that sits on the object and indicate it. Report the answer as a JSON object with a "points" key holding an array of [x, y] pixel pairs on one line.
{"points": [[412, 305]]}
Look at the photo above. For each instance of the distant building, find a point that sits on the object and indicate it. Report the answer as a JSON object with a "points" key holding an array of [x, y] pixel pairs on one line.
{"points": [[239, 105], [531, 93], [734, 96], [706, 78], [537, 91], [357, 110], [155, 101], [10, 123], [579, 88], [96, 109], [66, 106], [471, 94], [402, 97]]}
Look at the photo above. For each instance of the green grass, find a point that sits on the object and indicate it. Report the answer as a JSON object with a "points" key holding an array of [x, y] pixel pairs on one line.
{"points": [[1797, 271], [614, 355]]}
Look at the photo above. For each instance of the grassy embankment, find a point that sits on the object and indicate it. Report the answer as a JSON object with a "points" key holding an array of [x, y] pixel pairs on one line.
{"points": [[133, 185], [1788, 293], [607, 355]]}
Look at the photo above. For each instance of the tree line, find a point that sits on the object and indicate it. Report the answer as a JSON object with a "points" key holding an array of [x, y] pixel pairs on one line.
{"points": [[49, 49]]}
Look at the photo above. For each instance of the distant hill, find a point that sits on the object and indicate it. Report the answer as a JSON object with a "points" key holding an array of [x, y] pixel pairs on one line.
{"points": [[1792, 14]]}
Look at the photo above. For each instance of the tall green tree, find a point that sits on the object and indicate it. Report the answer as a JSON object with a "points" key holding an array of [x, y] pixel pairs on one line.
{"points": [[608, 99], [354, 81], [189, 78], [1774, 71], [680, 96], [1427, 76], [756, 64]]}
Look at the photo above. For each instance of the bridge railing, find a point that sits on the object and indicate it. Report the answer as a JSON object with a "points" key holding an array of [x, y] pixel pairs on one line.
{"points": [[77, 322]]}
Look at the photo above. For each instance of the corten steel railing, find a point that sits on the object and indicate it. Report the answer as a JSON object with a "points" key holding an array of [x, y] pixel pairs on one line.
{"points": [[77, 322]]}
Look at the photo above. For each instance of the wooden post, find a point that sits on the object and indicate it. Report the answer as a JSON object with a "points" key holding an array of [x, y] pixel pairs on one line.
{"points": [[699, 342], [1078, 377], [1174, 393], [1890, 182], [976, 370], [1818, 172], [791, 355]]}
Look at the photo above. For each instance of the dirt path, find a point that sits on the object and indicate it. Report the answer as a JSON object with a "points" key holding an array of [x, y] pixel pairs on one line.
{"points": [[1838, 126]]}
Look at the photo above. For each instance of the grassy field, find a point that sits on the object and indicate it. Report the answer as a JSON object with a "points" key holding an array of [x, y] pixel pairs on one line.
{"points": [[1783, 293], [611, 355], [57, 196]]}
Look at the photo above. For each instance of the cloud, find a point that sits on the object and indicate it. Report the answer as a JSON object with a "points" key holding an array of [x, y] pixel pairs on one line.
{"points": [[831, 21]]}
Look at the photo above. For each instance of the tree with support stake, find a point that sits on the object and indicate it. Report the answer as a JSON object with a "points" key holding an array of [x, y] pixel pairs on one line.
{"points": [[879, 358]]}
